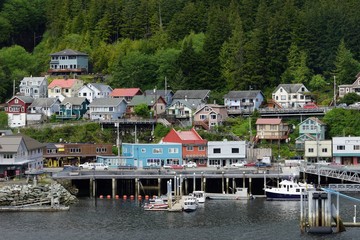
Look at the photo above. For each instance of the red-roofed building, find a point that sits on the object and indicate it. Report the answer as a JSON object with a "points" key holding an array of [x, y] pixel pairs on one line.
{"points": [[126, 93], [63, 88], [271, 129], [194, 148]]}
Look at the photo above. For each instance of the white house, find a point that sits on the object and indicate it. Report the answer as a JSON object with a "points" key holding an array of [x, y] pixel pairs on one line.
{"points": [[107, 108], [95, 90], [45, 106], [291, 95], [243, 101], [318, 150], [225, 153], [346, 150], [35, 87]]}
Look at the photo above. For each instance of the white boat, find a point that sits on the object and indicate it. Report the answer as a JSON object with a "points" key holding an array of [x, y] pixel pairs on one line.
{"points": [[288, 190], [240, 194], [199, 195], [190, 204], [155, 204]]}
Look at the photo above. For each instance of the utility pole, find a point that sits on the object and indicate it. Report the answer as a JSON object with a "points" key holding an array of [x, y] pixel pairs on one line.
{"points": [[334, 91]]}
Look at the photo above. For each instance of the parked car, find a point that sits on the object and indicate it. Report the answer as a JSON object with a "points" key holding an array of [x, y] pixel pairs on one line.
{"points": [[355, 105], [310, 105], [250, 164], [190, 164], [70, 168], [262, 164], [86, 165], [238, 164], [99, 166]]}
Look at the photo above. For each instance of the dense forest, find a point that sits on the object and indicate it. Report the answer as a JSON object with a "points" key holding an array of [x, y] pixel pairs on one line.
{"points": [[219, 45]]}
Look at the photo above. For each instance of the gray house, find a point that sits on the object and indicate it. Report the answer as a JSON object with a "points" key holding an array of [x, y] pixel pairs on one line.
{"points": [[44, 106], [107, 108], [243, 101], [35, 87], [201, 95], [68, 61]]}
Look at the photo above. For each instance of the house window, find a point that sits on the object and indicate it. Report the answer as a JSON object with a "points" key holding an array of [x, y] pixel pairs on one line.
{"points": [[75, 150], [340, 147], [311, 150], [173, 150], [111, 109], [234, 150], [190, 148], [213, 116], [201, 148], [324, 150], [356, 147], [157, 151], [16, 101], [283, 97], [57, 90], [273, 127], [202, 116], [143, 150], [7, 156], [216, 150]]}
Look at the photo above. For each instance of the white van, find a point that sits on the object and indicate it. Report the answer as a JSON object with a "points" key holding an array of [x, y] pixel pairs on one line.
{"points": [[99, 166]]}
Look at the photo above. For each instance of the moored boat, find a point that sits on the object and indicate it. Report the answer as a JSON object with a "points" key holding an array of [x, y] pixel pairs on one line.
{"points": [[199, 195], [190, 204], [239, 194], [288, 190], [156, 204]]}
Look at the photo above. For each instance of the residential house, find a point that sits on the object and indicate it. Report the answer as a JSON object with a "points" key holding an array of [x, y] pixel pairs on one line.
{"points": [[73, 108], [95, 90], [224, 153], [167, 95], [192, 95], [183, 111], [107, 108], [19, 153], [145, 155], [346, 150], [243, 101], [311, 129], [316, 151], [126, 93], [156, 104], [210, 116], [43, 108], [35, 87], [63, 88], [69, 61], [291, 95], [271, 129], [194, 148], [60, 154], [16, 110], [350, 88]]}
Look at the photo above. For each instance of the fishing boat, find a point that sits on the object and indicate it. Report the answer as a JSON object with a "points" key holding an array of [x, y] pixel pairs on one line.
{"points": [[156, 204], [199, 195], [190, 204], [288, 190], [239, 194]]}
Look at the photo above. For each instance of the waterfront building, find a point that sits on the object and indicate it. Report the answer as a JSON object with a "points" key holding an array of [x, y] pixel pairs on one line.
{"points": [[63, 88], [151, 155], [194, 148], [291, 95], [311, 129], [19, 153], [316, 151], [224, 153], [35, 87], [69, 61], [16, 109], [243, 101], [94, 90], [346, 150]]}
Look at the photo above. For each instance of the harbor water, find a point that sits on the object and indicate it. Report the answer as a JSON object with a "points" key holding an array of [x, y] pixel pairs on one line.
{"points": [[125, 219]]}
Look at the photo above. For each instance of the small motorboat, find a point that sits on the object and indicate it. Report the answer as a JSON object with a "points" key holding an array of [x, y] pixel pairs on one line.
{"points": [[288, 190], [156, 204], [190, 204], [199, 195], [239, 194]]}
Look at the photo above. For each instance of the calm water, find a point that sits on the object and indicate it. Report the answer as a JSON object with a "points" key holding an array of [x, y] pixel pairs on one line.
{"points": [[118, 219]]}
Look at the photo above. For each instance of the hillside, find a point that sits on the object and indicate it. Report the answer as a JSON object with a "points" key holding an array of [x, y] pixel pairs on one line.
{"points": [[218, 45]]}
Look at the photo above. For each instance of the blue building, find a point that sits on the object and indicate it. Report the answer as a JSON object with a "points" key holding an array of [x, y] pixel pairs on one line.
{"points": [[68, 61], [160, 154]]}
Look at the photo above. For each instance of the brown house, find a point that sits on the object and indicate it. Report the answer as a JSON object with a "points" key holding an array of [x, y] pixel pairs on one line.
{"points": [[210, 116], [271, 129]]}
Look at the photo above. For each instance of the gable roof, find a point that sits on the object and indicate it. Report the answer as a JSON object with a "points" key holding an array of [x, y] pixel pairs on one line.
{"points": [[243, 94], [74, 100], [158, 92], [125, 92], [260, 121], [63, 83], [148, 100], [69, 52], [191, 94], [111, 102], [101, 87], [25, 99], [290, 88], [184, 136], [212, 106], [44, 102], [314, 119], [36, 79], [10, 143]]}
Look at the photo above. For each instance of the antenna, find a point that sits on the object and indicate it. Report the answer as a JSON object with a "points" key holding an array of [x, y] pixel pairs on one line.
{"points": [[14, 88]]}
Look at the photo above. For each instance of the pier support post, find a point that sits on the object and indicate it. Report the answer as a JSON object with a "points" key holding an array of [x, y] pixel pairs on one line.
{"points": [[137, 189], [159, 187], [227, 185], [204, 188], [243, 179], [91, 185], [250, 180], [194, 183], [222, 183], [94, 188], [233, 185], [202, 182], [186, 187], [113, 187]]}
